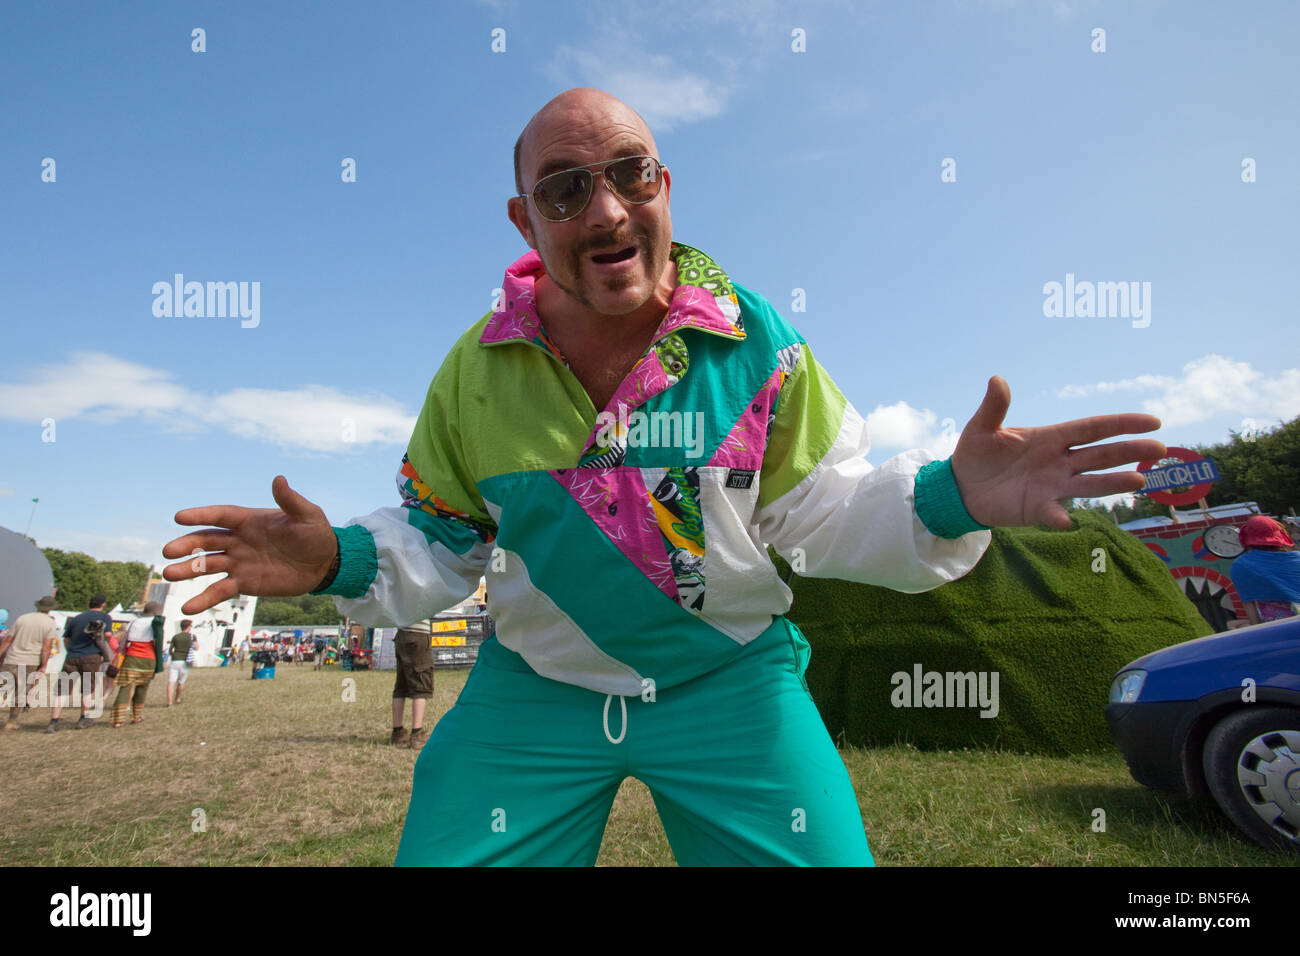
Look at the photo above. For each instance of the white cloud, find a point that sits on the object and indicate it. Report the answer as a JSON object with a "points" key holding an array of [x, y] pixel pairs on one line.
{"points": [[714, 56], [900, 426], [1208, 387], [666, 95], [107, 389], [315, 417]]}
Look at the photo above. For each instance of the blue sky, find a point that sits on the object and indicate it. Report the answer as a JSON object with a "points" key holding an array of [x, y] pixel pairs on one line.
{"points": [[818, 170]]}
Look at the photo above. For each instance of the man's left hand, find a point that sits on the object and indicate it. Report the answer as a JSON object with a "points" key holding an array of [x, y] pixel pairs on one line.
{"points": [[1019, 476]]}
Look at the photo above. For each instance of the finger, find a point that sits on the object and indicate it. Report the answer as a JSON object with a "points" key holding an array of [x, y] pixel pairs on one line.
{"points": [[198, 566], [1085, 431], [223, 516], [209, 539], [213, 595], [1100, 457], [993, 410], [290, 502]]}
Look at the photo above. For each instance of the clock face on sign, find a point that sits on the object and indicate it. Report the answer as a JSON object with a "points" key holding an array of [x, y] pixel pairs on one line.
{"points": [[1221, 540]]}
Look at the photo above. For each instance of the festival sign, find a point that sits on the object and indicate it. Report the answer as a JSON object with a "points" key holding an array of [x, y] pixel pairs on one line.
{"points": [[1183, 482]]}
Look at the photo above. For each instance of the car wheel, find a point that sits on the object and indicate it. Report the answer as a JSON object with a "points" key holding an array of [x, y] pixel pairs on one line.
{"points": [[1252, 765]]}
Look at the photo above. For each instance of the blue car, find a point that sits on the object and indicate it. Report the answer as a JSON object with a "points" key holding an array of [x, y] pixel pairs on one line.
{"points": [[1219, 717]]}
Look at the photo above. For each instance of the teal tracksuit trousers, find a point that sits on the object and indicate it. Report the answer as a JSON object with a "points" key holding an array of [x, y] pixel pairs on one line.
{"points": [[523, 770]]}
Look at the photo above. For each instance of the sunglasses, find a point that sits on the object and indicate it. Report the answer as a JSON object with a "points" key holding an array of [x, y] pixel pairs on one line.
{"points": [[564, 195]]}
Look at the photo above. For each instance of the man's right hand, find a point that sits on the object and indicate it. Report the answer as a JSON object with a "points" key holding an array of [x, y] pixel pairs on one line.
{"points": [[266, 552]]}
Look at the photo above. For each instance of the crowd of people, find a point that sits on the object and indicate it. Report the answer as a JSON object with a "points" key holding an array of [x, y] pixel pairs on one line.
{"points": [[95, 654]]}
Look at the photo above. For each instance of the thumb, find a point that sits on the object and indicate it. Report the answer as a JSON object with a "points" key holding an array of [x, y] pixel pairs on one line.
{"points": [[993, 410], [290, 502]]}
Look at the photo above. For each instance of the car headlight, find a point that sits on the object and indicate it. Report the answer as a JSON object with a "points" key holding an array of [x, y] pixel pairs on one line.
{"points": [[1126, 686]]}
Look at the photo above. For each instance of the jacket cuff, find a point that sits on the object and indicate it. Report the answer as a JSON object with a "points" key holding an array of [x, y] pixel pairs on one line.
{"points": [[358, 563], [939, 504]]}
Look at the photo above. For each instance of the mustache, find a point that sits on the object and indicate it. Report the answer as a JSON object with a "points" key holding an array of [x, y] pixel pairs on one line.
{"points": [[614, 244]]}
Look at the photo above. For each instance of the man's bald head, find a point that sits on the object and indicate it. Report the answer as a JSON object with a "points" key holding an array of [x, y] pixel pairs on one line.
{"points": [[570, 106]]}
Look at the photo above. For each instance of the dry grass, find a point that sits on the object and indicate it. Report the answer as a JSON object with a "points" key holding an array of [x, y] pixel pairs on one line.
{"points": [[287, 773]]}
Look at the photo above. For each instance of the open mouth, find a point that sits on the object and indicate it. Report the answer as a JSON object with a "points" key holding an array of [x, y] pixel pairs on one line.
{"points": [[622, 255]]}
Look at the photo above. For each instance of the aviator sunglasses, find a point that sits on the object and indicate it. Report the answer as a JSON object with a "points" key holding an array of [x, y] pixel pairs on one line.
{"points": [[562, 196]]}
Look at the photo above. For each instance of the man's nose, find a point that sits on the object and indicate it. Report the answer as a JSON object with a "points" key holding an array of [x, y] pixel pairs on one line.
{"points": [[605, 209]]}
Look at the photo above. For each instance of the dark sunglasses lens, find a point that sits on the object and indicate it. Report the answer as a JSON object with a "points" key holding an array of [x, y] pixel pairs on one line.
{"points": [[563, 195], [636, 178]]}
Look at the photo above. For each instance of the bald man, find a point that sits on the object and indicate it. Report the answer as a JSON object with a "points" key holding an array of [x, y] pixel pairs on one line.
{"points": [[614, 447]]}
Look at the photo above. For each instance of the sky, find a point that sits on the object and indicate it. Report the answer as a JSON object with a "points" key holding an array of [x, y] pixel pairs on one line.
{"points": [[902, 181]]}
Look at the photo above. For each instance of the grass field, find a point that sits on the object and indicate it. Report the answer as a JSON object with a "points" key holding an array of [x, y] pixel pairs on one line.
{"points": [[286, 772]]}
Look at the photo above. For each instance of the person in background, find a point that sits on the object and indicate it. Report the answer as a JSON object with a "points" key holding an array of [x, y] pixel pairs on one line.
{"points": [[140, 658], [318, 657], [414, 652], [1267, 574], [32, 641], [179, 668], [243, 653], [88, 651]]}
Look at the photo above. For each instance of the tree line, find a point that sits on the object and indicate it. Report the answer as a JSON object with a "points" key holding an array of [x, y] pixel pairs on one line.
{"points": [[77, 576]]}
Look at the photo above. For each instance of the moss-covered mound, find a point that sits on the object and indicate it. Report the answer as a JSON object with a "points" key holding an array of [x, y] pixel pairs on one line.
{"points": [[1038, 609]]}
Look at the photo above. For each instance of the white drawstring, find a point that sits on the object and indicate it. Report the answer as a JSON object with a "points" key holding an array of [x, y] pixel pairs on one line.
{"points": [[623, 704]]}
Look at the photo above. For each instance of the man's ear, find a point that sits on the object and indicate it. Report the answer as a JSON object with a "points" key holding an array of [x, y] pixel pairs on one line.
{"points": [[668, 184], [517, 211]]}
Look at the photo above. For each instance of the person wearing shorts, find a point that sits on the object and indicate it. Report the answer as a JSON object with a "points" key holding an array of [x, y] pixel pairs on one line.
{"points": [[88, 653], [414, 650], [179, 667], [24, 655]]}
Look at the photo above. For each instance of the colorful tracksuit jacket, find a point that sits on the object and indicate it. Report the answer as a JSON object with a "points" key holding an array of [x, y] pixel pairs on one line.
{"points": [[625, 547]]}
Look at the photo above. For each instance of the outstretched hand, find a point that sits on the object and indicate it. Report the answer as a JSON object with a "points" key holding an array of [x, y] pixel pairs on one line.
{"points": [[263, 551], [1019, 476]]}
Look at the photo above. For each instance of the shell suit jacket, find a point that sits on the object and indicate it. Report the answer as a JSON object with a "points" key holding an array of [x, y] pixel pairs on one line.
{"points": [[625, 548]]}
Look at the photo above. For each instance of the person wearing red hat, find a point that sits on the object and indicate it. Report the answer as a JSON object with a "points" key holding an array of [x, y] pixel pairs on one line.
{"points": [[1267, 575]]}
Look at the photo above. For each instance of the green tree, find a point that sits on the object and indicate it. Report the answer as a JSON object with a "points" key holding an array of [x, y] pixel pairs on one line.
{"points": [[305, 609], [1263, 467], [121, 581], [74, 577], [77, 576]]}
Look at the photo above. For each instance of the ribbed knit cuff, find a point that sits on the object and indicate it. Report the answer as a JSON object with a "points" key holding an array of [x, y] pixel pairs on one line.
{"points": [[939, 504], [358, 563]]}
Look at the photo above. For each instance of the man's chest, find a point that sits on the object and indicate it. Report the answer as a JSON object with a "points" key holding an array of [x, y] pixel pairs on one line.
{"points": [[601, 373]]}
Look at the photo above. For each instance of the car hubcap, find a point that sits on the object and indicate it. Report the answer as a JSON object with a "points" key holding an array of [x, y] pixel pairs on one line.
{"points": [[1268, 772]]}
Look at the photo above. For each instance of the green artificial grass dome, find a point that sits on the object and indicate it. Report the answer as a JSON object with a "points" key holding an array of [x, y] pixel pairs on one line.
{"points": [[1033, 610]]}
